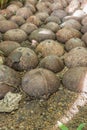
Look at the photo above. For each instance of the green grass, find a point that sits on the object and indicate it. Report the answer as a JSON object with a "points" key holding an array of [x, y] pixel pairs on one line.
{"points": [[63, 127], [3, 3]]}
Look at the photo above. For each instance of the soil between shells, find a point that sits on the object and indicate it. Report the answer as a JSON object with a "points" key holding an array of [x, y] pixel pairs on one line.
{"points": [[42, 114]]}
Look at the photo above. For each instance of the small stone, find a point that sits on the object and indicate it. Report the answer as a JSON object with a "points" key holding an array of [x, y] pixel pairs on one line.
{"points": [[10, 102]]}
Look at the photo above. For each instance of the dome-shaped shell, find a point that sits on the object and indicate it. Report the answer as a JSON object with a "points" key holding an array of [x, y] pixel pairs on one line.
{"points": [[9, 80], [6, 25], [8, 46], [50, 47], [64, 34], [24, 12], [17, 35], [75, 79], [76, 57], [40, 83], [22, 58], [73, 43], [52, 62], [42, 34]]}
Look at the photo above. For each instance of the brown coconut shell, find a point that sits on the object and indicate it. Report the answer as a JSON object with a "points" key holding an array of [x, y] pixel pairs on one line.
{"points": [[2, 17], [13, 8], [52, 62], [41, 34], [6, 25], [28, 27], [76, 57], [64, 34], [35, 20], [19, 20], [8, 46], [22, 59], [44, 7], [59, 13], [71, 23], [42, 15], [75, 78], [9, 80], [84, 21], [24, 12], [50, 47], [52, 26], [53, 19], [17, 35], [73, 43], [6, 13], [84, 29], [84, 38], [40, 83]]}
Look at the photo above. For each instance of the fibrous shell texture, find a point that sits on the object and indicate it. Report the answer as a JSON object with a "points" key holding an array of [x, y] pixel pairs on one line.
{"points": [[75, 78], [40, 83]]}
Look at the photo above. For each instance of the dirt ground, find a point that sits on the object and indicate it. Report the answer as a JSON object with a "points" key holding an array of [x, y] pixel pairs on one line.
{"points": [[43, 114]]}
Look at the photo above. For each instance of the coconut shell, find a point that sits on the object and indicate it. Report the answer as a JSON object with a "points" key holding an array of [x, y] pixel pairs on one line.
{"points": [[6, 25], [71, 23], [2, 17], [59, 13], [75, 78], [52, 62], [13, 8], [28, 27], [84, 38], [52, 26], [74, 5], [42, 15], [84, 29], [44, 7], [64, 34], [22, 58], [76, 57], [18, 3], [50, 47], [33, 2], [9, 80], [18, 20], [8, 46], [17, 35], [73, 43], [34, 20], [56, 5], [41, 34], [31, 7], [64, 3], [40, 83], [24, 12], [79, 14], [0, 36], [6, 13], [53, 19], [84, 21]]}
